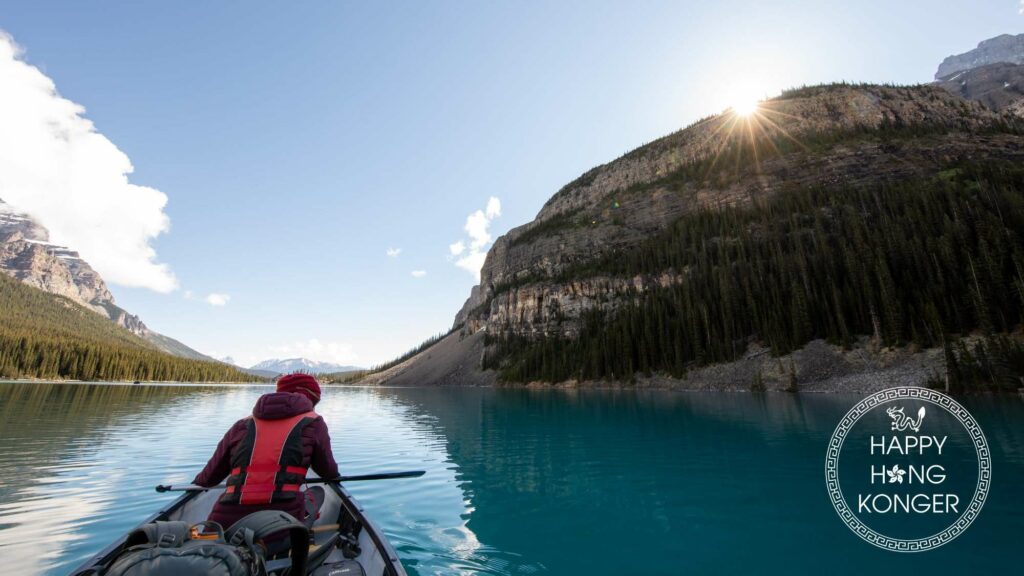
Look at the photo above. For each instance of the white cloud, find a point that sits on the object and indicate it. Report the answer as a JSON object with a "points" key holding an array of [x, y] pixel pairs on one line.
{"points": [[55, 166], [472, 262], [1021, 9], [314, 349], [215, 299], [494, 206], [188, 296], [419, 273], [394, 252], [477, 228]]}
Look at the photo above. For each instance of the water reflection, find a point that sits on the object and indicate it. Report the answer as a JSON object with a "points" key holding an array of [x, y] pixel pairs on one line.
{"points": [[78, 464], [518, 481], [425, 519], [594, 482]]}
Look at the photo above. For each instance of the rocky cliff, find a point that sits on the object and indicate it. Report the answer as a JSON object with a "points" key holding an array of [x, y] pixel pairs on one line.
{"points": [[1004, 48], [27, 254], [992, 73], [619, 204], [999, 86], [608, 267], [545, 280]]}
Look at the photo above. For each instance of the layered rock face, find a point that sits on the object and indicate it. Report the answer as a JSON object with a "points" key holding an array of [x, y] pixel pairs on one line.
{"points": [[543, 279], [1003, 48], [531, 284], [27, 254], [602, 214]]}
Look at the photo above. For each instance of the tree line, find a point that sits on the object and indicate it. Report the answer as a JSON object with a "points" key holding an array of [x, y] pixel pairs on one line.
{"points": [[915, 261], [47, 336]]}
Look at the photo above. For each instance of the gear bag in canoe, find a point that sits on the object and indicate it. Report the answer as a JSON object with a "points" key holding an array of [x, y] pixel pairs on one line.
{"points": [[174, 548]]}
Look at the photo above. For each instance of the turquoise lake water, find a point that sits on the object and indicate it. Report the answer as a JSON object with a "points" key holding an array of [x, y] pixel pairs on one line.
{"points": [[518, 481]]}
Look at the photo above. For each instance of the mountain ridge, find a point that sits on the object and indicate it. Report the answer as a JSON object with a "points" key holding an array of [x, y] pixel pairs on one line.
{"points": [[552, 290], [582, 221], [50, 336], [27, 254], [298, 364], [1006, 48]]}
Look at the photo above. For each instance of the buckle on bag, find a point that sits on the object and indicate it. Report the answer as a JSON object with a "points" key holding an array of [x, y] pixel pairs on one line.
{"points": [[195, 534]]}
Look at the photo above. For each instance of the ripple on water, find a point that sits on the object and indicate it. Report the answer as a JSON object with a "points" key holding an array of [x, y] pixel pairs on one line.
{"points": [[97, 451], [518, 482]]}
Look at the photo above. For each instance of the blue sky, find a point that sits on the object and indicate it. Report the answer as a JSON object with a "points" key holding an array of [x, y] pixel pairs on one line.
{"points": [[297, 145]]}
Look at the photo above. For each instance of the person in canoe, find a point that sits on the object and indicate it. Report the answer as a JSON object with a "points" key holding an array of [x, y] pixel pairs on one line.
{"points": [[265, 456]]}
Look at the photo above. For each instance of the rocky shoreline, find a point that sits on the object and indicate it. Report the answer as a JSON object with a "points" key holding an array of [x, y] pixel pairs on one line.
{"points": [[817, 367]]}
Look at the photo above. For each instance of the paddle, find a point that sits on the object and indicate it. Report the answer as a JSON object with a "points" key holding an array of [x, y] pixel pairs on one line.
{"points": [[378, 476]]}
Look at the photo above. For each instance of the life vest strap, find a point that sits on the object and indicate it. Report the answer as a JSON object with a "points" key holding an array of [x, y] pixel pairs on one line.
{"points": [[271, 472]]}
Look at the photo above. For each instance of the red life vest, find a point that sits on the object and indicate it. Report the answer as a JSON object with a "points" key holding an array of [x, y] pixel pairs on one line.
{"points": [[268, 464]]}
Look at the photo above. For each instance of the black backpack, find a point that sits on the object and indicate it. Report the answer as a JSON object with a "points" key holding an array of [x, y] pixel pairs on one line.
{"points": [[175, 548]]}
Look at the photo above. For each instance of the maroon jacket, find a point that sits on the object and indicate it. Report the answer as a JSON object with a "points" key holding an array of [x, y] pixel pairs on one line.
{"points": [[316, 452]]}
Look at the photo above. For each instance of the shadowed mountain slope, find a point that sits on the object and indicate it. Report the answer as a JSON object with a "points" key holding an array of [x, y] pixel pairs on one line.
{"points": [[837, 212]]}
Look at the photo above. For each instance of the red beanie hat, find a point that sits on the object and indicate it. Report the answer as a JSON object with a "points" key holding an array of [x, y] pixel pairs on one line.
{"points": [[300, 383]]}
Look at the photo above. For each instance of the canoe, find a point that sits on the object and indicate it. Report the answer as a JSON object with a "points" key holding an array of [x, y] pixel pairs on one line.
{"points": [[342, 521]]}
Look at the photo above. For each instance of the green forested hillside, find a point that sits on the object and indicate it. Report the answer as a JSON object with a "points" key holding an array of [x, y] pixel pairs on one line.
{"points": [[47, 336], [913, 261]]}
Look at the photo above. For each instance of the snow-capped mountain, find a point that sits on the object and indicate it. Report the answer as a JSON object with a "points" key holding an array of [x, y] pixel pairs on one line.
{"points": [[288, 365]]}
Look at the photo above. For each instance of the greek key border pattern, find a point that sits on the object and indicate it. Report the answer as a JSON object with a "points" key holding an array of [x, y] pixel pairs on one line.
{"points": [[835, 446]]}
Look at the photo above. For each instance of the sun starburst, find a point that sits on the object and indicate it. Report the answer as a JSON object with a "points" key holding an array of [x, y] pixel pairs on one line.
{"points": [[749, 132], [745, 106]]}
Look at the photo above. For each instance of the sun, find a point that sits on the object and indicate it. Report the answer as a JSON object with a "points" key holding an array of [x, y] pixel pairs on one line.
{"points": [[743, 98], [745, 105]]}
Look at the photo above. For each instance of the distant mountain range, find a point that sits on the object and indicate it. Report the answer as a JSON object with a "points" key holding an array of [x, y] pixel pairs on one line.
{"points": [[289, 365], [26, 254], [61, 321], [835, 215]]}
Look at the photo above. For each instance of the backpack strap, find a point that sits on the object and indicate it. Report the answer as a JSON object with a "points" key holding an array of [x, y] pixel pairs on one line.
{"points": [[159, 533], [317, 557], [259, 525]]}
